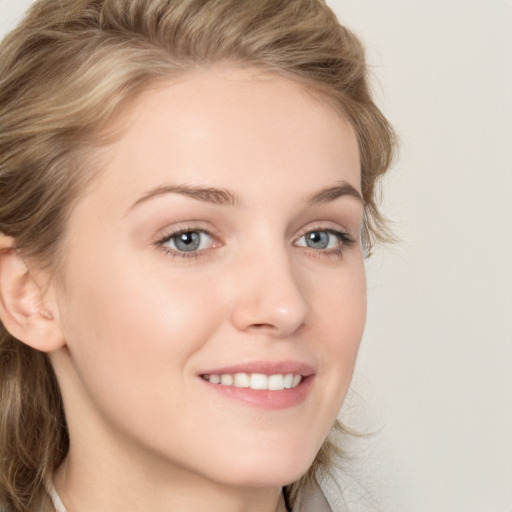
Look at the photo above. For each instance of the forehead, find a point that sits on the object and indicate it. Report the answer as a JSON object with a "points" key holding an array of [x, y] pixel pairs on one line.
{"points": [[217, 125]]}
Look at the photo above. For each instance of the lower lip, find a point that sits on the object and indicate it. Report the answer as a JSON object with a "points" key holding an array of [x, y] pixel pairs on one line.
{"points": [[265, 399]]}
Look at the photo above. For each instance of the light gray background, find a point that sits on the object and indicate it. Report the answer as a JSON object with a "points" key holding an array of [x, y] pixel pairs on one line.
{"points": [[436, 365], [434, 379]]}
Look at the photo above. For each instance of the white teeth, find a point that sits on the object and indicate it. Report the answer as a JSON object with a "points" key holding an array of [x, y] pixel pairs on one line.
{"points": [[275, 382], [226, 379], [260, 381], [242, 380]]}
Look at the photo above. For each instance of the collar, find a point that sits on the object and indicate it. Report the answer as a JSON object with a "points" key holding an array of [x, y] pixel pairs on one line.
{"points": [[311, 499]]}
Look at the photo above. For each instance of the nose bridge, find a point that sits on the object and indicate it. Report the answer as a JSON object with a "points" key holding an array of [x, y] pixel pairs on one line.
{"points": [[270, 295]]}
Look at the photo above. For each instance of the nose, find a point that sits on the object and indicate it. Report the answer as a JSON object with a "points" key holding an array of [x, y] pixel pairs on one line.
{"points": [[270, 298]]}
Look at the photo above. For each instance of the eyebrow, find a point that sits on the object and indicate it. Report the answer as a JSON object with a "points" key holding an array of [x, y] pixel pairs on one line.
{"points": [[329, 194], [218, 196], [225, 197]]}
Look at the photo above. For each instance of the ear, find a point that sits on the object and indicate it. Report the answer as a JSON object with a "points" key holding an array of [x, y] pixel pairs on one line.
{"points": [[27, 309]]}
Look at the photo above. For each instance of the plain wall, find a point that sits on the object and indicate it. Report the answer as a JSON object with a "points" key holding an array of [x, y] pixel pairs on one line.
{"points": [[436, 362], [434, 379]]}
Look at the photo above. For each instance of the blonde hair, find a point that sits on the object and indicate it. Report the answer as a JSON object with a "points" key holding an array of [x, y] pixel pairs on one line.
{"points": [[65, 72]]}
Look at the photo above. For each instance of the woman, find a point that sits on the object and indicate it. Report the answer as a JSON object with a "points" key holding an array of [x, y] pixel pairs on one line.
{"points": [[187, 192]]}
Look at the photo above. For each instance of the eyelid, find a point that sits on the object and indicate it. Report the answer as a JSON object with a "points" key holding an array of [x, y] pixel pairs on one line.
{"points": [[329, 227], [165, 235], [345, 238]]}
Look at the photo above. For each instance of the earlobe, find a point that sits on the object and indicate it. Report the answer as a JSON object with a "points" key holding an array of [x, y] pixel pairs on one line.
{"points": [[26, 309]]}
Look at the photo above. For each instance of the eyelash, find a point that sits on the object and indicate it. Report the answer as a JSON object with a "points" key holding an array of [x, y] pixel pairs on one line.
{"points": [[345, 241], [161, 244]]}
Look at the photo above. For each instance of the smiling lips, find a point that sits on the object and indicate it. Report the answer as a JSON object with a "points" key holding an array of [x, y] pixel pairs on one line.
{"points": [[257, 381], [264, 385]]}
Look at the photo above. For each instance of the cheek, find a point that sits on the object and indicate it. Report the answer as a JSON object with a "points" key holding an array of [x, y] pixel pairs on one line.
{"points": [[343, 317], [115, 297], [128, 328], [342, 306]]}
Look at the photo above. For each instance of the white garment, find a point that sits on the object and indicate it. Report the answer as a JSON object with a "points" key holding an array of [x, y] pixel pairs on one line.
{"points": [[57, 502]]}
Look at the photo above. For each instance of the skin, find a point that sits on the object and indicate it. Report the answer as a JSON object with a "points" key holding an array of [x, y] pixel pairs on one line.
{"points": [[140, 322]]}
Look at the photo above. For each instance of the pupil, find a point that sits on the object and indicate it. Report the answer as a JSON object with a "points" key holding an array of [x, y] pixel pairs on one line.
{"points": [[187, 241], [318, 239], [187, 238]]}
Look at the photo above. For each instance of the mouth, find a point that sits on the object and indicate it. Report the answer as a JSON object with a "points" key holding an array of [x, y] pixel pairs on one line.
{"points": [[263, 385], [257, 381]]}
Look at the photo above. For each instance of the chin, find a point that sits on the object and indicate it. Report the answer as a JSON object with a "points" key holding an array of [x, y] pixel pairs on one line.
{"points": [[277, 470]]}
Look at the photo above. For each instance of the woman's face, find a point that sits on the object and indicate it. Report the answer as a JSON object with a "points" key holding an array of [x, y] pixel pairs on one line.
{"points": [[220, 242]]}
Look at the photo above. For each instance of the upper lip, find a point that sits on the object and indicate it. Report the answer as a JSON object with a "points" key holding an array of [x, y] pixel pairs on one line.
{"points": [[264, 367]]}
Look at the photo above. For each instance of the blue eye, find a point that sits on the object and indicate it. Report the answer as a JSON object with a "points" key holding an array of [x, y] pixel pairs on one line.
{"points": [[323, 239], [188, 241], [318, 239]]}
